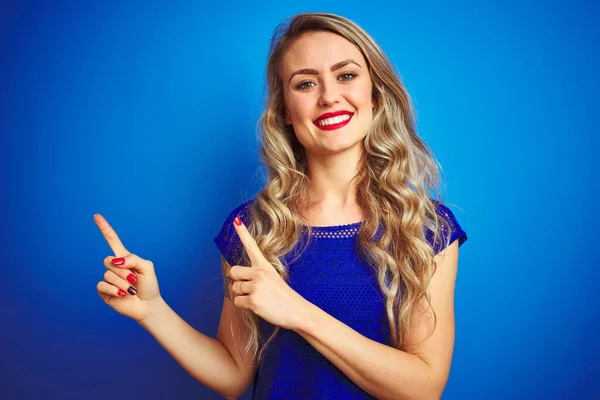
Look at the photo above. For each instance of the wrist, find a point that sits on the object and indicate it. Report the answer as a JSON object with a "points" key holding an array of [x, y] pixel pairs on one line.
{"points": [[156, 309], [306, 318]]}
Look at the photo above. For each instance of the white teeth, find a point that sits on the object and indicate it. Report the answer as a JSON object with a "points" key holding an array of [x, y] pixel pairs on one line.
{"points": [[334, 120]]}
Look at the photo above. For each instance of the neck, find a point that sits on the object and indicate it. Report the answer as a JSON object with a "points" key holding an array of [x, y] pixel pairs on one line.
{"points": [[331, 177]]}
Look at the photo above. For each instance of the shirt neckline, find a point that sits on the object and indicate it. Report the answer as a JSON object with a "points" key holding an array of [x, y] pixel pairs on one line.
{"points": [[334, 231], [333, 227]]}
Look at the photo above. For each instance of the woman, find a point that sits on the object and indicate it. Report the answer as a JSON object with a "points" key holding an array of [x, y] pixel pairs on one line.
{"points": [[350, 286]]}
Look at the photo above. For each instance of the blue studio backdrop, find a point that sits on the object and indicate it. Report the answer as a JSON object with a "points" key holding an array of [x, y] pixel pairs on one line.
{"points": [[146, 113]]}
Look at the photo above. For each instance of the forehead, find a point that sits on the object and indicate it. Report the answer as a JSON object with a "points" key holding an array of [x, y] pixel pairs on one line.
{"points": [[319, 50]]}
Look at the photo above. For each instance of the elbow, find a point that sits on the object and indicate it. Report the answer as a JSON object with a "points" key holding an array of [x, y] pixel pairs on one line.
{"points": [[231, 389], [435, 389], [424, 394], [436, 395], [236, 389], [428, 392], [431, 390], [232, 393], [435, 384]]}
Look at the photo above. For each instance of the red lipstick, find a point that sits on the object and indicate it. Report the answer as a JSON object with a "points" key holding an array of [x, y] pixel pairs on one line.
{"points": [[330, 115]]}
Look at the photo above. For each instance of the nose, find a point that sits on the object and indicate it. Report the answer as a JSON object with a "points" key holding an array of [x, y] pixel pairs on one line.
{"points": [[330, 94]]}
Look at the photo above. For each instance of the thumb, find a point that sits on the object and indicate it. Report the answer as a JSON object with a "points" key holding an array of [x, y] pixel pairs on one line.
{"points": [[131, 261]]}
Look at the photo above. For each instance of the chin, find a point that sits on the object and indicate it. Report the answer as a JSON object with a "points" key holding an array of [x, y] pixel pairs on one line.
{"points": [[331, 142], [336, 148]]}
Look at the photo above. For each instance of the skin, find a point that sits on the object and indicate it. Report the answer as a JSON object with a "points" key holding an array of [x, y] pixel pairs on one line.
{"points": [[332, 156], [420, 372], [308, 95]]}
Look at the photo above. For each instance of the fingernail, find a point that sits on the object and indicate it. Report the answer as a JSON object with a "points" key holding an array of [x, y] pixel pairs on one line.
{"points": [[237, 221], [118, 261], [121, 293], [131, 278], [132, 291]]}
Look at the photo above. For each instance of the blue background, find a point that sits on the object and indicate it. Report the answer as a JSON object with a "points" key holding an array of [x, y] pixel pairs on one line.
{"points": [[146, 112]]}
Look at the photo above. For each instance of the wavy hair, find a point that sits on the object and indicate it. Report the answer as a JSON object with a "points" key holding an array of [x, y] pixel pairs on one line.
{"points": [[397, 183]]}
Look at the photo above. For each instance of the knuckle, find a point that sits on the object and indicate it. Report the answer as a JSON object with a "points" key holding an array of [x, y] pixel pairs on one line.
{"points": [[260, 273], [134, 259], [108, 274]]}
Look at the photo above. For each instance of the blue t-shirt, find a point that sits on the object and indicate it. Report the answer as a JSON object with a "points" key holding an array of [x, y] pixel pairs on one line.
{"points": [[332, 275]]}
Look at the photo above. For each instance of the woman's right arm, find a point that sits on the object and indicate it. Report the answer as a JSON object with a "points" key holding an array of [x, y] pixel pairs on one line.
{"points": [[130, 287], [217, 363]]}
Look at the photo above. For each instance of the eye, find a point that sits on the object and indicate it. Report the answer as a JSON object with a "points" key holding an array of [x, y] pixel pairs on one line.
{"points": [[347, 76], [304, 85]]}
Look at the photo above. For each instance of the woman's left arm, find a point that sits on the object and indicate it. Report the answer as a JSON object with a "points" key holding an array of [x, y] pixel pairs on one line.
{"points": [[385, 372], [420, 372]]}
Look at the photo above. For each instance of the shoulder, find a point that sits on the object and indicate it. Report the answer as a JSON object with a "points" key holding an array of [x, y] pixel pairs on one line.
{"points": [[243, 210], [227, 240], [444, 211], [448, 229]]}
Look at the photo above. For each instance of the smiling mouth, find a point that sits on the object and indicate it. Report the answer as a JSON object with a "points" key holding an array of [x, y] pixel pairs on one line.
{"points": [[329, 124]]}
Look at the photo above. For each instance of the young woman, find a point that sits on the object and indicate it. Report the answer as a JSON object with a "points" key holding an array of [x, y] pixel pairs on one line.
{"points": [[339, 275]]}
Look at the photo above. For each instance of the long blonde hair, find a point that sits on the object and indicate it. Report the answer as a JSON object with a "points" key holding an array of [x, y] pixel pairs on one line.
{"points": [[397, 182]]}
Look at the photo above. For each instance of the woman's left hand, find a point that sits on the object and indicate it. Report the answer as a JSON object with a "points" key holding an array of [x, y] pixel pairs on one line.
{"points": [[262, 290]]}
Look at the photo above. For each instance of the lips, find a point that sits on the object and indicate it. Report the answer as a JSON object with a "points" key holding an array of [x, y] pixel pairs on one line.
{"points": [[337, 119]]}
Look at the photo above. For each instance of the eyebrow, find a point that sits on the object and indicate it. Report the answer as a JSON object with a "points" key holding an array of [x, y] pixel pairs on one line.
{"points": [[336, 66]]}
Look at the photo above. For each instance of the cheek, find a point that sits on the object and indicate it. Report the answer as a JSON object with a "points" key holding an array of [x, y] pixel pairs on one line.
{"points": [[298, 108], [360, 96]]}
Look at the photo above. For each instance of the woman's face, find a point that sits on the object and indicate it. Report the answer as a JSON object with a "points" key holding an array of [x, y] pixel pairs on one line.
{"points": [[327, 92]]}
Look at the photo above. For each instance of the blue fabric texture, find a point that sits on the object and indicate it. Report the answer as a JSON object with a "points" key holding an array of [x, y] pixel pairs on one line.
{"points": [[331, 274]]}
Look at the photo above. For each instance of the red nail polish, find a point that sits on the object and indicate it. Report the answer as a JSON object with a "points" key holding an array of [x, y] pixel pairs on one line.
{"points": [[237, 221], [118, 261], [121, 293], [132, 278]]}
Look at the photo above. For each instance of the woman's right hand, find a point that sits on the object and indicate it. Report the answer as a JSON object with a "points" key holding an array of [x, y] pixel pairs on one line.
{"points": [[130, 287]]}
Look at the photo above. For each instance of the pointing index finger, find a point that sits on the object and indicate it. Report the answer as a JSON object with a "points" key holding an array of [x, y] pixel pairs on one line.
{"points": [[110, 236], [248, 241]]}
